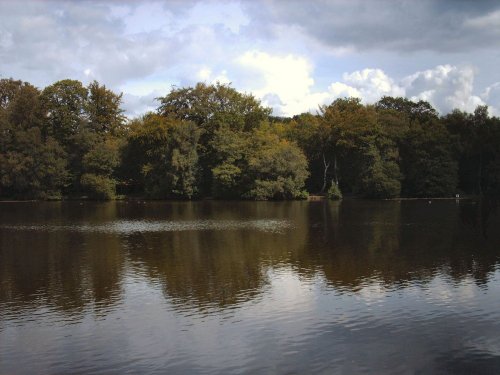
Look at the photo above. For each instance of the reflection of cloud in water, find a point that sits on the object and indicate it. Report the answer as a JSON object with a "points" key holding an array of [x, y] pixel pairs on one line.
{"points": [[134, 226], [442, 291], [373, 292]]}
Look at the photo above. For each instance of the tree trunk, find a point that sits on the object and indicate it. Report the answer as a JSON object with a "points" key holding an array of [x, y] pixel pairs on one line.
{"points": [[335, 174], [480, 174], [325, 172]]}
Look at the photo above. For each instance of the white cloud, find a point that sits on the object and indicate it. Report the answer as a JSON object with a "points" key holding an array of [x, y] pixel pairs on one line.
{"points": [[140, 96], [341, 90], [5, 39], [206, 75], [229, 15], [286, 83], [276, 51], [372, 84], [133, 18], [491, 95], [446, 87], [146, 87], [137, 105], [286, 77], [221, 78]]}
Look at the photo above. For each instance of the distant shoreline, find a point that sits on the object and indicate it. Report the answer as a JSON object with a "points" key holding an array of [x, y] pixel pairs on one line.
{"points": [[311, 198]]}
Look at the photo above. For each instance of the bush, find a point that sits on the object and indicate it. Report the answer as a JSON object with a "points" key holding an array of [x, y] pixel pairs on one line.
{"points": [[98, 187], [226, 181], [303, 195], [277, 168], [334, 192], [382, 182]]}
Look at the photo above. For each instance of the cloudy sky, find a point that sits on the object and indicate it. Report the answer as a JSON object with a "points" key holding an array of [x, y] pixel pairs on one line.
{"points": [[293, 55]]}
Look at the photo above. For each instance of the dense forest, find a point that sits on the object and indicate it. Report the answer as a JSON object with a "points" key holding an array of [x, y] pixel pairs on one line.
{"points": [[70, 140]]}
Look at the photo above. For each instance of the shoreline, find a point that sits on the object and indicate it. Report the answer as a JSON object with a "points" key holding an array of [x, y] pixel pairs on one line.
{"points": [[311, 198]]}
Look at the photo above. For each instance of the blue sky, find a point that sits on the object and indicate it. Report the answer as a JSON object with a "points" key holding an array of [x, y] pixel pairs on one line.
{"points": [[293, 55]]}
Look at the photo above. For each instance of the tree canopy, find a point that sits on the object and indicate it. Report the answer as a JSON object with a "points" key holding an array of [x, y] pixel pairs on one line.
{"points": [[72, 140]]}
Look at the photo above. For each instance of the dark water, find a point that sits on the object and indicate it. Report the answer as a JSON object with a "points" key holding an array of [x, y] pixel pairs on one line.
{"points": [[286, 288]]}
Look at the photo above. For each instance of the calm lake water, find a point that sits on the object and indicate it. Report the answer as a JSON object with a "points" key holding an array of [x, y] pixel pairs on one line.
{"points": [[243, 287]]}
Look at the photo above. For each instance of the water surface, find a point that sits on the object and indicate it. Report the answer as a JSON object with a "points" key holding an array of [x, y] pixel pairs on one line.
{"points": [[245, 287]]}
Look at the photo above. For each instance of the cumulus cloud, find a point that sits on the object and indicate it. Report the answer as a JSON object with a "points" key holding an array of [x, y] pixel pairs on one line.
{"points": [[492, 96], [285, 77], [283, 52], [286, 84], [368, 84], [206, 75], [343, 90], [372, 84], [446, 87]]}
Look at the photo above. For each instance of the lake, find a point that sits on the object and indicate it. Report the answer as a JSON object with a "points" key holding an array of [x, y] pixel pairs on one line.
{"points": [[209, 287]]}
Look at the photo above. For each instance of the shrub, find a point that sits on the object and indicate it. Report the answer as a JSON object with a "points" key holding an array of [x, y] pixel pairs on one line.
{"points": [[334, 192], [98, 187]]}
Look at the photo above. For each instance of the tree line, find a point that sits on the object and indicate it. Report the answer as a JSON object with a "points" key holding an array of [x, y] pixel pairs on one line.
{"points": [[71, 140]]}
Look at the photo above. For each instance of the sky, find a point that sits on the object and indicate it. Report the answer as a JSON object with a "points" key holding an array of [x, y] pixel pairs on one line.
{"points": [[292, 55]]}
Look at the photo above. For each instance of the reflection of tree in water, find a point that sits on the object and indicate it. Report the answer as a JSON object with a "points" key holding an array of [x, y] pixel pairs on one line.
{"points": [[355, 241], [217, 268], [347, 239], [202, 268], [350, 243], [479, 214], [480, 224], [69, 270]]}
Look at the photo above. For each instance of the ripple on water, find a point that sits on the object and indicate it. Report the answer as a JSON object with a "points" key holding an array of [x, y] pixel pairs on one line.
{"points": [[142, 226]]}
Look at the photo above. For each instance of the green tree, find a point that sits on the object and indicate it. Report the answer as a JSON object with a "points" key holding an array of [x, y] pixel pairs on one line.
{"points": [[277, 167], [64, 102], [426, 152], [420, 111], [428, 162], [103, 109], [313, 136], [99, 165], [212, 108], [84, 120], [230, 178], [20, 104], [32, 165], [476, 143], [162, 155], [381, 176], [258, 165], [184, 168], [8, 90], [364, 155]]}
